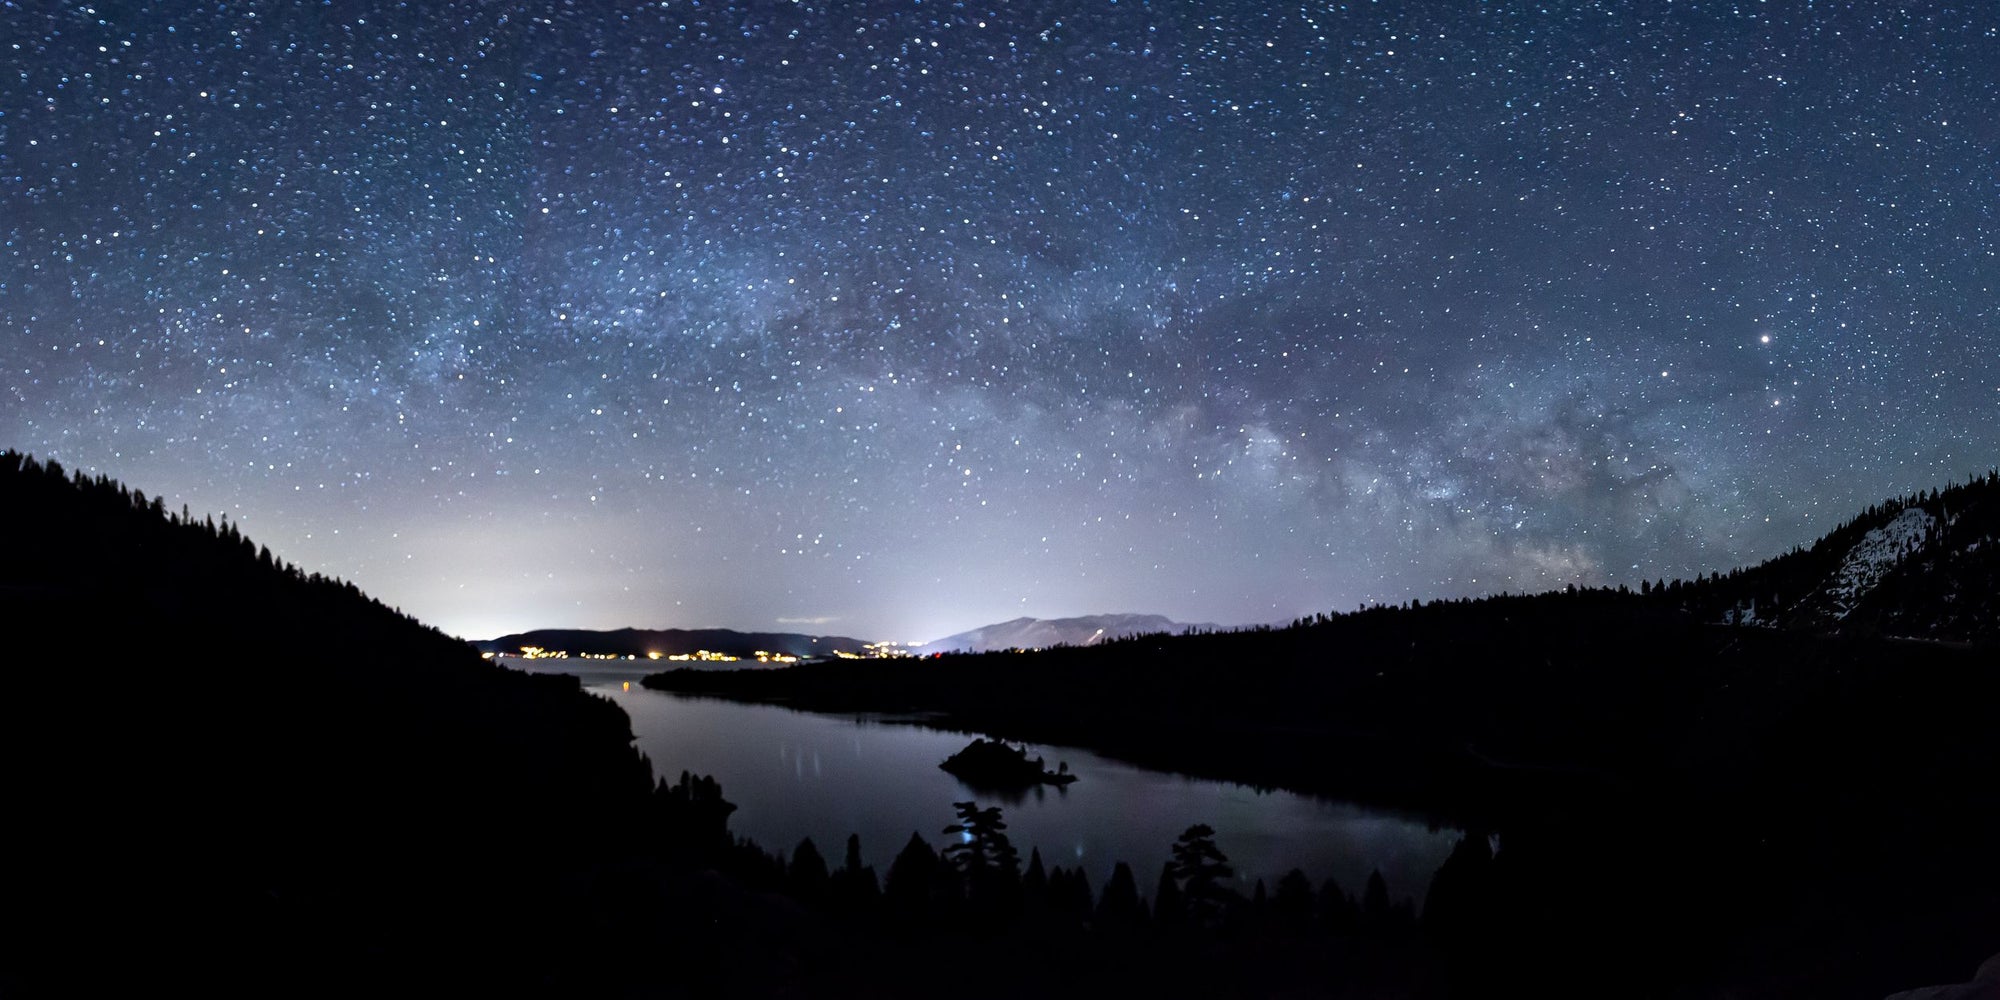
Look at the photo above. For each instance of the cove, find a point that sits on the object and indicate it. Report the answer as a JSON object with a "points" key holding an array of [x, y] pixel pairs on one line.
{"points": [[797, 774]]}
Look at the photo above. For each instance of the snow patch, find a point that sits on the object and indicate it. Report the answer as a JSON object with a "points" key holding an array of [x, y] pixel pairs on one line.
{"points": [[1745, 615], [1871, 558]]}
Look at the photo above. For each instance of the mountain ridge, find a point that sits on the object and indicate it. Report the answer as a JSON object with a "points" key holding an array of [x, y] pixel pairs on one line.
{"points": [[1923, 566], [1041, 633]]}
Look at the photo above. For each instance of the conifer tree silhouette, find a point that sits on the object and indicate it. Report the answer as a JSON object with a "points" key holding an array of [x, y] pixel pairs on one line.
{"points": [[1201, 867], [984, 859]]}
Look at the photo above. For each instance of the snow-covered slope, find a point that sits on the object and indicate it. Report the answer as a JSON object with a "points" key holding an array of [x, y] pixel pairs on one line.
{"points": [[1924, 566], [1872, 559]]}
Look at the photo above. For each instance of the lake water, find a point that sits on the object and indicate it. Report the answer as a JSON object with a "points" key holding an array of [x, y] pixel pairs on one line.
{"points": [[796, 774]]}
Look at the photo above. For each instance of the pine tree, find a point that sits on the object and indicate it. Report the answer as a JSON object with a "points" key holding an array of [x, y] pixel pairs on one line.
{"points": [[984, 860], [1078, 901], [1455, 906], [806, 878], [853, 886], [911, 888], [1336, 907], [1293, 900], [1035, 884], [1375, 900], [1120, 905], [1169, 907], [1201, 868]]}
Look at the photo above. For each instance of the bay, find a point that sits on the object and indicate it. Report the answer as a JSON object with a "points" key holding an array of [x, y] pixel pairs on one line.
{"points": [[795, 775]]}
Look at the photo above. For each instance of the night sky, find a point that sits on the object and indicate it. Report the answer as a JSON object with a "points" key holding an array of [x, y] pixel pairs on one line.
{"points": [[893, 319]]}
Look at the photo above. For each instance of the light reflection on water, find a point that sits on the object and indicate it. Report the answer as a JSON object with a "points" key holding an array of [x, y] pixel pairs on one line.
{"points": [[795, 775]]}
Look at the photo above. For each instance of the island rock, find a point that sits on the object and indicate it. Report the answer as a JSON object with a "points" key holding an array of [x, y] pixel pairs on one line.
{"points": [[994, 764]]}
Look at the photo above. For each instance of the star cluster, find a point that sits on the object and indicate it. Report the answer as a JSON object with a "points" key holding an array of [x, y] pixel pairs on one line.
{"points": [[891, 319]]}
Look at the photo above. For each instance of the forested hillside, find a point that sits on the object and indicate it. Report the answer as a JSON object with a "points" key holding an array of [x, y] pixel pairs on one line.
{"points": [[1924, 566], [187, 776]]}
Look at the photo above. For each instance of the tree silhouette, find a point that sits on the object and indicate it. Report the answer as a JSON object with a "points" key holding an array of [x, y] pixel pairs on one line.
{"points": [[806, 878], [911, 888], [692, 816], [1035, 884], [984, 859], [1069, 893], [1336, 907], [1200, 867], [853, 885], [1059, 892], [982, 847], [1294, 899], [1375, 900], [1120, 905], [1169, 906], [1455, 907]]}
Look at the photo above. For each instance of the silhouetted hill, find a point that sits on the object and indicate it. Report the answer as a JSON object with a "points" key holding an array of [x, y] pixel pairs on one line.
{"points": [[673, 642], [1042, 633], [193, 789], [1922, 566]]}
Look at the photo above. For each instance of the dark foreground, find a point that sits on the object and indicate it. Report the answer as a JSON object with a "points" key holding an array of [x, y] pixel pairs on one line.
{"points": [[1681, 808], [198, 802]]}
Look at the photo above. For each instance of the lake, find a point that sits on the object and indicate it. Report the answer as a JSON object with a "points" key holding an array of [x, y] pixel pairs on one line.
{"points": [[797, 774]]}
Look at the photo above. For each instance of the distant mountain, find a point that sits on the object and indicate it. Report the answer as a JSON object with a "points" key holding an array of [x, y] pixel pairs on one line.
{"points": [[673, 642], [1042, 633], [1923, 566]]}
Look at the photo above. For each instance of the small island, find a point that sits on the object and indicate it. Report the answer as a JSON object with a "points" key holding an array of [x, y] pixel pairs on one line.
{"points": [[994, 764]]}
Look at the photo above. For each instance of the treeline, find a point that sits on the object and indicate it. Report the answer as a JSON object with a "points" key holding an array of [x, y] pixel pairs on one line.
{"points": [[70, 533], [1560, 909], [1030, 927], [1942, 586], [1946, 587], [1411, 708], [979, 883]]}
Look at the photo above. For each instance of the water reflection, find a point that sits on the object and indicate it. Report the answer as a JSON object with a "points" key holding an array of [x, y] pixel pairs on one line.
{"points": [[795, 775]]}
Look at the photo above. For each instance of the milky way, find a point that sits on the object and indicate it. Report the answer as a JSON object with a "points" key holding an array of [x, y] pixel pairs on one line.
{"points": [[893, 319]]}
